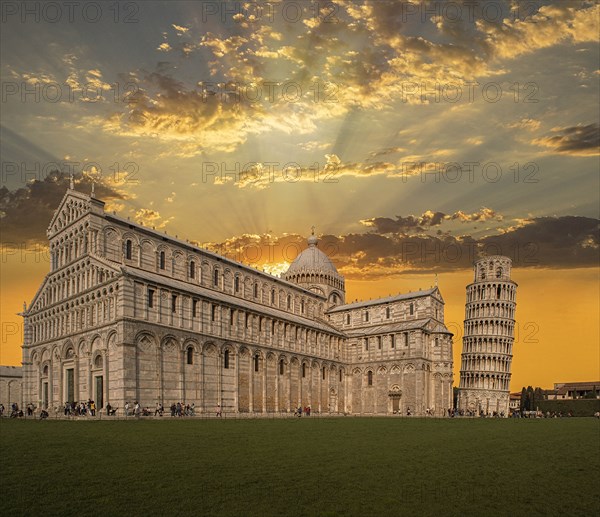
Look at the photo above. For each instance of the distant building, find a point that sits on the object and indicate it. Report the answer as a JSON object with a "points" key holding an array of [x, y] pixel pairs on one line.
{"points": [[573, 390], [11, 386], [514, 402]]}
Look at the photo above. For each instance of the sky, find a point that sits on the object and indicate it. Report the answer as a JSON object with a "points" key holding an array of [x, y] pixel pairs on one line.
{"points": [[414, 137]]}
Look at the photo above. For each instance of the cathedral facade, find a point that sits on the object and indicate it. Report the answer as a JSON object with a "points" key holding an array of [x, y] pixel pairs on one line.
{"points": [[129, 314]]}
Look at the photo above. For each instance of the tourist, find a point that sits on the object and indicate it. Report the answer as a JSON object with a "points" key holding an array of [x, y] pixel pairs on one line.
{"points": [[219, 413], [126, 408], [1, 410], [136, 409], [159, 409], [299, 411], [173, 409], [408, 411], [43, 414], [108, 408], [93, 408], [193, 409]]}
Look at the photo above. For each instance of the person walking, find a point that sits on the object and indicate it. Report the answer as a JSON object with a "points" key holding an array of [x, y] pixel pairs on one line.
{"points": [[219, 412]]}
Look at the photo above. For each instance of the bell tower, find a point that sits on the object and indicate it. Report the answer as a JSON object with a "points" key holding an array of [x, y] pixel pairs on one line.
{"points": [[488, 338]]}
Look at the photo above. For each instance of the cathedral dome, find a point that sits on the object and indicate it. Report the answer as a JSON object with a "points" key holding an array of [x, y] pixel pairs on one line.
{"points": [[312, 259]]}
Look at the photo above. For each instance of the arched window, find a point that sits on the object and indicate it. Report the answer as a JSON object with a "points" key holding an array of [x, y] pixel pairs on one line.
{"points": [[216, 278], [412, 309], [340, 375], [255, 290], [226, 360], [272, 295], [499, 272], [281, 367], [498, 292], [128, 247], [323, 373], [255, 363], [370, 378], [237, 284], [190, 355], [388, 312], [161, 262], [302, 306], [347, 319], [289, 302], [303, 370], [366, 315], [192, 269], [46, 370]]}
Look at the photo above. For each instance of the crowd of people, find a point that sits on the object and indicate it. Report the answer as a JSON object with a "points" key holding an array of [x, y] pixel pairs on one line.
{"points": [[80, 408], [302, 410]]}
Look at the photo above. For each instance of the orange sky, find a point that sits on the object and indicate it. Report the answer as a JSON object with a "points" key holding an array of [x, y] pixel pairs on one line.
{"points": [[557, 316]]}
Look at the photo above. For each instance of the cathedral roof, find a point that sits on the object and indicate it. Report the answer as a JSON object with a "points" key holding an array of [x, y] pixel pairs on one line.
{"points": [[312, 259], [388, 299]]}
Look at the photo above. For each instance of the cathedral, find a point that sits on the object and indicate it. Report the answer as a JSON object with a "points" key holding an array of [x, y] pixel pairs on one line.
{"points": [[127, 314]]}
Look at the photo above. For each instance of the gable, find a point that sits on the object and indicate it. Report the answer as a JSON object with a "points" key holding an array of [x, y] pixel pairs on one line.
{"points": [[73, 206]]}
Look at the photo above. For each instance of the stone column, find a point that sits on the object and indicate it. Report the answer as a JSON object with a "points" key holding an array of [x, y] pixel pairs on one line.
{"points": [[264, 385], [105, 375]]}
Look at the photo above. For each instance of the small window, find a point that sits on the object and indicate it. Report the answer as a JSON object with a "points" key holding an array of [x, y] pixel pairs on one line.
{"points": [[255, 290], [370, 378], [273, 327], [216, 278], [236, 283], [281, 367], [260, 324], [498, 292], [150, 298], [190, 355], [128, 246], [437, 341], [231, 317], [162, 260], [340, 375], [347, 319], [213, 313], [226, 360], [303, 370], [388, 313], [289, 302], [273, 296], [393, 341], [194, 308], [406, 339], [411, 309], [174, 303], [255, 363], [379, 342], [366, 343], [192, 269], [366, 315], [247, 320], [46, 370], [323, 373], [302, 307], [499, 272]]}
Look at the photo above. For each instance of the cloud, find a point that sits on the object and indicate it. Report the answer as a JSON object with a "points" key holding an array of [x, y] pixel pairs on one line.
{"points": [[546, 242], [25, 213], [429, 219], [575, 141], [149, 217]]}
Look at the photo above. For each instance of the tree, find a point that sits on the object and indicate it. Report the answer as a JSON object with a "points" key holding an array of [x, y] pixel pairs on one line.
{"points": [[523, 404]]}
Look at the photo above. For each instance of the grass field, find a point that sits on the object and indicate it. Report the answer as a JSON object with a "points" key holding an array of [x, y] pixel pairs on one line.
{"points": [[338, 466]]}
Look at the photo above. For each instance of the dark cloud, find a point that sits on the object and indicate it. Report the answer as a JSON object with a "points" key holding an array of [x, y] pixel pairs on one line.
{"points": [[577, 140], [25, 213], [429, 219], [546, 242]]}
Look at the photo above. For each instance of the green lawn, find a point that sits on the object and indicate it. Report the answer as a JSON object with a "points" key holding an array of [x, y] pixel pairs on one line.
{"points": [[337, 466]]}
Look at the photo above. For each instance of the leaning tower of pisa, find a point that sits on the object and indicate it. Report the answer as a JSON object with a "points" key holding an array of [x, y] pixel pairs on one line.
{"points": [[488, 338]]}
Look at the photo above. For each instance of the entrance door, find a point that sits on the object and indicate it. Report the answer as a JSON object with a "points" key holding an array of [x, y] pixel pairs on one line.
{"points": [[99, 391], [395, 404], [70, 385], [45, 396]]}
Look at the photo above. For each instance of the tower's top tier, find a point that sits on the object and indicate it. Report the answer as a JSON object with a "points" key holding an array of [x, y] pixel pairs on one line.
{"points": [[494, 267]]}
